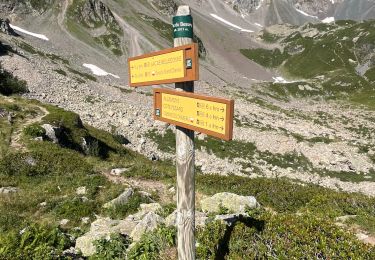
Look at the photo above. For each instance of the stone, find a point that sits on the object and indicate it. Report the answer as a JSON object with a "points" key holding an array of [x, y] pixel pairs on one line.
{"points": [[148, 223], [43, 204], [233, 202], [81, 190], [151, 207], [63, 222], [144, 210], [154, 157], [120, 200], [7, 190], [51, 132], [118, 171], [172, 190], [85, 220], [111, 113], [102, 228]]}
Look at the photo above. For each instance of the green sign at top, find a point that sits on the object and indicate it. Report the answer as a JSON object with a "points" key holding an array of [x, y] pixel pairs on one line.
{"points": [[183, 26]]}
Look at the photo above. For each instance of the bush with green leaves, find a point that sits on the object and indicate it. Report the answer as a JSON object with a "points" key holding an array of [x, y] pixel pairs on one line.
{"points": [[153, 244], [34, 242], [113, 248], [10, 85], [34, 130], [280, 236]]}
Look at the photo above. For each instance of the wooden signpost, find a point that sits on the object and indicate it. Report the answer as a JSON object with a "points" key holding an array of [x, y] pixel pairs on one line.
{"points": [[188, 111]]}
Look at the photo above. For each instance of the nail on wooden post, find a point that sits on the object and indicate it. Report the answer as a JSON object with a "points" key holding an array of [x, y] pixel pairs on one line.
{"points": [[185, 157]]}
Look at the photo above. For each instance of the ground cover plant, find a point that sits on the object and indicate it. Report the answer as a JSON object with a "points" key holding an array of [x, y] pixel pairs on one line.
{"points": [[294, 220]]}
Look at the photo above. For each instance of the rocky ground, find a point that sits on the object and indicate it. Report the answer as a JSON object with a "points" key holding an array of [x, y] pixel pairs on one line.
{"points": [[327, 143]]}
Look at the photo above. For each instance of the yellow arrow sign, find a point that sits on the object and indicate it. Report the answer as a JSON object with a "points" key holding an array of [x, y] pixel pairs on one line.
{"points": [[210, 115], [167, 66]]}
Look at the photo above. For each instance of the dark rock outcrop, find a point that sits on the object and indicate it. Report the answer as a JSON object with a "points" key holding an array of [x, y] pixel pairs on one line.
{"points": [[5, 27]]}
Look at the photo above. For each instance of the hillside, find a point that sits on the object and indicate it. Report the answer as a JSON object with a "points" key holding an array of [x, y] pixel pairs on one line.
{"points": [[54, 185]]}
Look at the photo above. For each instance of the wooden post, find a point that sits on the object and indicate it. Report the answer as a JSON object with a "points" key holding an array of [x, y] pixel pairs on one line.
{"points": [[185, 156]]}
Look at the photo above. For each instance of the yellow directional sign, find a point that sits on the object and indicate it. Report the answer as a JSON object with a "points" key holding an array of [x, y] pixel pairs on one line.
{"points": [[210, 115], [162, 67]]}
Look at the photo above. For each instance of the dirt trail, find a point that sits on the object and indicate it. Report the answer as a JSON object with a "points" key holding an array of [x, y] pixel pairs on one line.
{"points": [[165, 196], [135, 48], [16, 136]]}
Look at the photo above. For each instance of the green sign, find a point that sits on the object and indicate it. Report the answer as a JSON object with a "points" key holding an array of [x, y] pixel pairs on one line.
{"points": [[183, 26]]}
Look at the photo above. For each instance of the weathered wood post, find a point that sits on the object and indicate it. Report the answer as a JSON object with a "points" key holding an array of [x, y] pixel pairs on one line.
{"points": [[185, 156]]}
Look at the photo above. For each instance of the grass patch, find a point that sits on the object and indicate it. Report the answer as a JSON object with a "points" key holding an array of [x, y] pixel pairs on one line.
{"points": [[61, 72], [266, 58]]}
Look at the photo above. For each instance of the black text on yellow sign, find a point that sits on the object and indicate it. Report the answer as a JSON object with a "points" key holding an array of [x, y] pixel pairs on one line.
{"points": [[209, 115]]}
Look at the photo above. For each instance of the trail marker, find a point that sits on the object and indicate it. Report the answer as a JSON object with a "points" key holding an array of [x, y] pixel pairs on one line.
{"points": [[167, 66], [205, 114], [188, 111]]}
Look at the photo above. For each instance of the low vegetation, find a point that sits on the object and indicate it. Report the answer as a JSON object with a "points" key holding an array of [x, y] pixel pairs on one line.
{"points": [[329, 58], [294, 221], [11, 85]]}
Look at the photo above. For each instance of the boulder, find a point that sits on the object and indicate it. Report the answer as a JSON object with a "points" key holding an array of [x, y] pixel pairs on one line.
{"points": [[120, 200], [145, 209], [81, 190], [7, 190], [233, 202], [118, 171], [52, 132], [148, 223], [102, 228]]}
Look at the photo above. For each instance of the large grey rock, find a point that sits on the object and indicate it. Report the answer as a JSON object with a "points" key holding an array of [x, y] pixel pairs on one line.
{"points": [[144, 210], [52, 132], [233, 202], [7, 190], [120, 200], [148, 223], [102, 228]]}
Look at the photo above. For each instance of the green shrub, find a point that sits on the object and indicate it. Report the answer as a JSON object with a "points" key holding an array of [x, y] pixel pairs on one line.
{"points": [[34, 242], [34, 130], [10, 85], [209, 240], [153, 243], [290, 236], [111, 249]]}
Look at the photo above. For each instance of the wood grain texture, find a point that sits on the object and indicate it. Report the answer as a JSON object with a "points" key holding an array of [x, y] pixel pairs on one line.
{"points": [[185, 161]]}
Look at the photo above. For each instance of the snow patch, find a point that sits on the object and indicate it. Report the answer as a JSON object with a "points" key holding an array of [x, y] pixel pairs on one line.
{"points": [[281, 80], [98, 71], [328, 20], [37, 35], [229, 23], [259, 25]]}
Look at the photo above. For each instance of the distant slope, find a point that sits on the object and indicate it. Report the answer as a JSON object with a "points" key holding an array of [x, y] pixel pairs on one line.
{"points": [[359, 10]]}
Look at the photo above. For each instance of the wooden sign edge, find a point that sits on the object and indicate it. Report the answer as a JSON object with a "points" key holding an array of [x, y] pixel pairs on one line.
{"points": [[194, 76], [228, 136]]}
